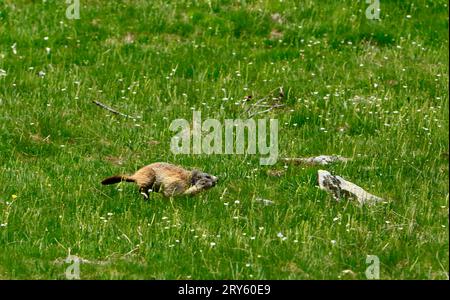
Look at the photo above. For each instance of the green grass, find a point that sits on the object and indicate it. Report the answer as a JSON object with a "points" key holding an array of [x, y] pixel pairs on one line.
{"points": [[385, 83]]}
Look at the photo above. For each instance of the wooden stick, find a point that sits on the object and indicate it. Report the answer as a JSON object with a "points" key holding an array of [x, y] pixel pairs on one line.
{"points": [[104, 106]]}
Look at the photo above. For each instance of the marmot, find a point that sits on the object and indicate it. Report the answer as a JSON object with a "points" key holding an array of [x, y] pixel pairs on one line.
{"points": [[169, 179]]}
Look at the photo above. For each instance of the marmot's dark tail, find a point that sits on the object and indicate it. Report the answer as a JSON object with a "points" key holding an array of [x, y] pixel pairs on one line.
{"points": [[117, 179]]}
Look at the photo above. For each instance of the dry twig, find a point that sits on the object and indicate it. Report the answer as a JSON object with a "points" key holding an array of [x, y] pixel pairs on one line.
{"points": [[251, 110], [104, 106]]}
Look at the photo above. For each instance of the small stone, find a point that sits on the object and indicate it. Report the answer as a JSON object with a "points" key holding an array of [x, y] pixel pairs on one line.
{"points": [[340, 188]]}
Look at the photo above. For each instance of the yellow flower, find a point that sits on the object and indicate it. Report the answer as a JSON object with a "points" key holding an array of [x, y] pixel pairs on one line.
{"points": [[14, 196]]}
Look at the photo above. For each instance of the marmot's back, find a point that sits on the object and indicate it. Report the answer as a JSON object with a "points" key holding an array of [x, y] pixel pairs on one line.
{"points": [[166, 170], [161, 175]]}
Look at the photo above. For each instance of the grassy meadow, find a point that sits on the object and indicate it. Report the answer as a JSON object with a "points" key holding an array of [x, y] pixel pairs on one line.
{"points": [[375, 91]]}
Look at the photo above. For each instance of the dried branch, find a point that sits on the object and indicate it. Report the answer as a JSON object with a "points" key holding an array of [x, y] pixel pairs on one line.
{"points": [[259, 103], [104, 106]]}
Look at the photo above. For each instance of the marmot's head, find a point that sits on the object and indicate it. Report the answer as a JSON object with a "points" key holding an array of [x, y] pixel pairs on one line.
{"points": [[202, 179]]}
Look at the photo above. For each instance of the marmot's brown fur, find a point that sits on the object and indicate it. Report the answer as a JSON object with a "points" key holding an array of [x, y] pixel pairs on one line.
{"points": [[169, 179]]}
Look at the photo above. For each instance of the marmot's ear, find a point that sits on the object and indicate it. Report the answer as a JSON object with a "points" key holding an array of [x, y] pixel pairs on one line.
{"points": [[195, 174]]}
